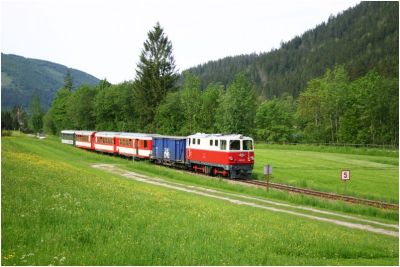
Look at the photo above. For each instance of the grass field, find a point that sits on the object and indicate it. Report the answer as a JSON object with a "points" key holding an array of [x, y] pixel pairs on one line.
{"points": [[374, 173], [58, 210]]}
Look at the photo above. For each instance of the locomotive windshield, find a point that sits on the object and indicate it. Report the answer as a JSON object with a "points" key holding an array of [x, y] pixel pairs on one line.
{"points": [[234, 145], [247, 145]]}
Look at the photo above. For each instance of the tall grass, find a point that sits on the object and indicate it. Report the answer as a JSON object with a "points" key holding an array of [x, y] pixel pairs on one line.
{"points": [[57, 210], [52, 148]]}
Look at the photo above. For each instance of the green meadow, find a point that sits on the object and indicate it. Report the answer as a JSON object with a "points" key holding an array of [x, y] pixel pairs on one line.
{"points": [[57, 210], [374, 173]]}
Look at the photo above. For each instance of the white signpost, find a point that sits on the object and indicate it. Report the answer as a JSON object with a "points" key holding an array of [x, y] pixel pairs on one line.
{"points": [[345, 175]]}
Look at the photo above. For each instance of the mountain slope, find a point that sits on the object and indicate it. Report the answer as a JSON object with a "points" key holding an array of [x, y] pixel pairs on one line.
{"points": [[22, 77], [362, 38]]}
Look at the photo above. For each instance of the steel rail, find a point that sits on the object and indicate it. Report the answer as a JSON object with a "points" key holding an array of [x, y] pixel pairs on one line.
{"points": [[327, 195]]}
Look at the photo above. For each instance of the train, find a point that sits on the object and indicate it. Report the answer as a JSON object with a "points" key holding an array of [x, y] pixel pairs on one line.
{"points": [[226, 155]]}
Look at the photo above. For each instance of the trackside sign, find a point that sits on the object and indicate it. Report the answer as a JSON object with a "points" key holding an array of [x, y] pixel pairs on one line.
{"points": [[345, 175]]}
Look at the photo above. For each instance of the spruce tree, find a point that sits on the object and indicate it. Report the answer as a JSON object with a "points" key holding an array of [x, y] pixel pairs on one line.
{"points": [[155, 76], [68, 81], [36, 119]]}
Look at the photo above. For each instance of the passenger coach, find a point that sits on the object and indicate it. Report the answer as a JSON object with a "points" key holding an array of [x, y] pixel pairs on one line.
{"points": [[85, 139], [136, 145], [68, 137], [106, 142]]}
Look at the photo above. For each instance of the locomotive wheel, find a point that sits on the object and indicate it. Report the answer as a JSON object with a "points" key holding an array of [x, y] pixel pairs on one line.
{"points": [[209, 170]]}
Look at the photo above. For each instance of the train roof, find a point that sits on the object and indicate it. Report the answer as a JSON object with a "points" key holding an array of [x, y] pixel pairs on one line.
{"points": [[68, 131], [170, 137], [108, 134], [123, 134], [224, 136], [84, 132]]}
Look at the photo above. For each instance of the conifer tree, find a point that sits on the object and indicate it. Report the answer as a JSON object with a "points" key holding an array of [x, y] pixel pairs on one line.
{"points": [[155, 76], [36, 119], [68, 81]]}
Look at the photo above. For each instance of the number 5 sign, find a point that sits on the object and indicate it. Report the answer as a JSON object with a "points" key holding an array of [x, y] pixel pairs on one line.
{"points": [[345, 175]]}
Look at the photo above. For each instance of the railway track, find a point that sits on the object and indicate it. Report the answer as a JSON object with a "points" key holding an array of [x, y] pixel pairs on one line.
{"points": [[326, 195]]}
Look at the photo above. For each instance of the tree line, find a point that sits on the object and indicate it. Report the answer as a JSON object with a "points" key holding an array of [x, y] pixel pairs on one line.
{"points": [[331, 109]]}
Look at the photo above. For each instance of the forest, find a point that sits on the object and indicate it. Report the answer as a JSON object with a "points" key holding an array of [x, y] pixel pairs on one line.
{"points": [[362, 38], [341, 101]]}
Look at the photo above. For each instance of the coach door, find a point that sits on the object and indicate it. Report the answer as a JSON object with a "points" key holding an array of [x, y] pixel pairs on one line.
{"points": [[136, 146], [114, 140], [92, 138]]}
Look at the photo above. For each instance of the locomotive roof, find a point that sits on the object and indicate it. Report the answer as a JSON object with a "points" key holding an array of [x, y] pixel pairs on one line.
{"points": [[68, 131], [225, 136], [84, 132]]}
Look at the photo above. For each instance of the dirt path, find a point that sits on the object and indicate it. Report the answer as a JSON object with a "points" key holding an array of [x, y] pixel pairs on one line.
{"points": [[254, 202]]}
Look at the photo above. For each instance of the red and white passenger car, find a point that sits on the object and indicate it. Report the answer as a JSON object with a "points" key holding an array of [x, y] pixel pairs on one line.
{"points": [[228, 155], [85, 139], [136, 145], [106, 142]]}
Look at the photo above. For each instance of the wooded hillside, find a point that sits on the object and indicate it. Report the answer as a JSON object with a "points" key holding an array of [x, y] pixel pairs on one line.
{"points": [[361, 38], [21, 78]]}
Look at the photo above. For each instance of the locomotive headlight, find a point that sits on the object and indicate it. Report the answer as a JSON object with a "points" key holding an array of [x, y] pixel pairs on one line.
{"points": [[230, 158]]}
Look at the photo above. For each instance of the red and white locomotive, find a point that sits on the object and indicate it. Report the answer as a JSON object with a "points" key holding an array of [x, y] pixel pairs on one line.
{"points": [[214, 154]]}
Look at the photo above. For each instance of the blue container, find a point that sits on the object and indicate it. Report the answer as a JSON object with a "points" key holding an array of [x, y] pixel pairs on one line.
{"points": [[169, 149]]}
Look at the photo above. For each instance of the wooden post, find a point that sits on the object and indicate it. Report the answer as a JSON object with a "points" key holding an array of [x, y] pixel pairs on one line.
{"points": [[267, 173]]}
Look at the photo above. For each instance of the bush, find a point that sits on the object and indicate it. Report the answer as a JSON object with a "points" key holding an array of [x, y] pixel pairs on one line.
{"points": [[5, 133]]}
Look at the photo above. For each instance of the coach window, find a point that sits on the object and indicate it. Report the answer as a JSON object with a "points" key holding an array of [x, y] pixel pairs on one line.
{"points": [[234, 145], [216, 142], [198, 141], [189, 141], [223, 145], [194, 141], [211, 142], [145, 143]]}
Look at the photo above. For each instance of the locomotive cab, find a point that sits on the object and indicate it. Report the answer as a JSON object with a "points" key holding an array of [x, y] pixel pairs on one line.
{"points": [[217, 154]]}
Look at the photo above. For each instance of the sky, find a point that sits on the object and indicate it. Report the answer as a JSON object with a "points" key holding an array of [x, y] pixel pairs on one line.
{"points": [[105, 37]]}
